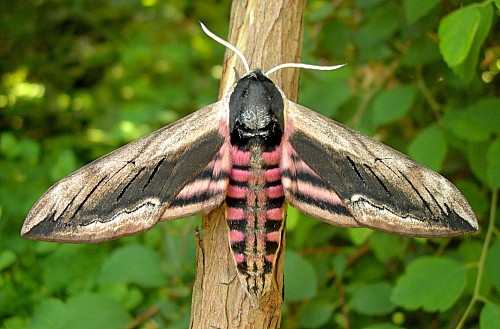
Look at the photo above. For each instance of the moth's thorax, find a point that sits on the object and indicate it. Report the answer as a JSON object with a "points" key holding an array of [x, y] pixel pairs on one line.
{"points": [[255, 110]]}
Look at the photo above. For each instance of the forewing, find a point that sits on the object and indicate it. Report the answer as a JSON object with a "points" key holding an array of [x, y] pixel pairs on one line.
{"points": [[128, 190], [380, 187]]}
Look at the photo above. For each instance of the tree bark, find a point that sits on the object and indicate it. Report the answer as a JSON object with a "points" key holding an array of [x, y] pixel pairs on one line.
{"points": [[268, 33]]}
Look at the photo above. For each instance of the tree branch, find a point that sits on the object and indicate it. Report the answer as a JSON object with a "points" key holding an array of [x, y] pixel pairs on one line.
{"points": [[268, 33]]}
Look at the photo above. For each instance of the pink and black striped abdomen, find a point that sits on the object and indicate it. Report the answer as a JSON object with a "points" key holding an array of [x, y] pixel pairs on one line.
{"points": [[255, 212], [255, 198]]}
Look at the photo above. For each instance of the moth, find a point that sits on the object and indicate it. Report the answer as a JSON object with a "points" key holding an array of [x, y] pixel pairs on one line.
{"points": [[255, 151]]}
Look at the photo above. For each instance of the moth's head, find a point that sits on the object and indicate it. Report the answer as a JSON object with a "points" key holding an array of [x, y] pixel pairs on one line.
{"points": [[255, 102]]}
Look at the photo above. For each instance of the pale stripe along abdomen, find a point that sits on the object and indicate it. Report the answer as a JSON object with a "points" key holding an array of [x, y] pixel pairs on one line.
{"points": [[255, 211]]}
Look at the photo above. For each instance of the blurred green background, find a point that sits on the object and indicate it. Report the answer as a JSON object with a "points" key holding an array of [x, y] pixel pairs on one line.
{"points": [[81, 78]]}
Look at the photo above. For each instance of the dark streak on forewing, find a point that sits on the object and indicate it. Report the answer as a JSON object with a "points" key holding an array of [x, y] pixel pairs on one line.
{"points": [[347, 177], [170, 175]]}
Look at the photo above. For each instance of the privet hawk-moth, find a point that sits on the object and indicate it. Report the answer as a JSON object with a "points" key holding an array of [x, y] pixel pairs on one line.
{"points": [[256, 151]]}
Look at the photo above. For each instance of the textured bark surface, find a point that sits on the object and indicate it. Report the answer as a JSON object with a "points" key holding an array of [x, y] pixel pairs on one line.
{"points": [[268, 33]]}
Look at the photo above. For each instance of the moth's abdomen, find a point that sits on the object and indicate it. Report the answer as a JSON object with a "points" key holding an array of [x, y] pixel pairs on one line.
{"points": [[255, 212], [255, 198]]}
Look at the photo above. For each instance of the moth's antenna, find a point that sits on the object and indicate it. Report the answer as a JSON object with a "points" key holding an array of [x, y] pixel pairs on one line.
{"points": [[228, 45], [303, 66]]}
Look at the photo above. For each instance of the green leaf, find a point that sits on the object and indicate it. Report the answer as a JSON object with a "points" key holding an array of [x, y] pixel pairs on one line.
{"points": [[497, 3], [129, 296], [486, 114], [476, 155], [29, 151], [461, 124], [64, 165], [8, 144], [416, 9], [315, 314], [320, 12], [429, 147], [300, 279], [493, 164], [7, 258], [83, 311], [367, 270], [25, 149], [15, 322], [373, 299], [134, 264], [359, 235], [49, 315], [375, 52], [381, 25], [490, 316], [293, 217], [433, 283], [493, 264], [466, 70], [456, 33], [391, 105], [385, 246], [65, 269], [329, 93]]}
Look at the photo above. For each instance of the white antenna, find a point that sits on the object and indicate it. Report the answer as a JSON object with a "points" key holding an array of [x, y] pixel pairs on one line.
{"points": [[228, 45], [303, 66], [274, 69]]}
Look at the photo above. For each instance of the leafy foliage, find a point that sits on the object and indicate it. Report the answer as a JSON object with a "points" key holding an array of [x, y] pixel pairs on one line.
{"points": [[443, 279], [81, 78]]}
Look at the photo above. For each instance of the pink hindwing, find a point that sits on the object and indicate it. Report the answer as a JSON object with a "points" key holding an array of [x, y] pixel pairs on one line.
{"points": [[205, 192]]}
